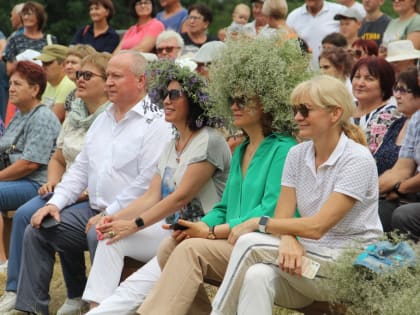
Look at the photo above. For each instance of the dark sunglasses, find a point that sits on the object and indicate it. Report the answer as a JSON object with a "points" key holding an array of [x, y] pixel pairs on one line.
{"points": [[173, 94], [169, 49], [401, 90], [240, 101], [302, 109], [87, 75]]}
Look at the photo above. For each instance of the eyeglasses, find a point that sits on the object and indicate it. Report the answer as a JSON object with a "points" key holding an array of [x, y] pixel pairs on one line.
{"points": [[194, 17], [401, 90], [87, 75], [240, 101], [143, 3], [168, 50], [203, 65], [173, 94], [356, 53], [47, 64], [302, 109], [398, 0]]}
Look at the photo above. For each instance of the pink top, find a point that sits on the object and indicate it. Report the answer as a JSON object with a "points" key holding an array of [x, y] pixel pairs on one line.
{"points": [[136, 33]]}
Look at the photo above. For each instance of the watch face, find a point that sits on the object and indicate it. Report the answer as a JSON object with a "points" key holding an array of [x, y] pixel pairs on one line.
{"points": [[139, 222]]}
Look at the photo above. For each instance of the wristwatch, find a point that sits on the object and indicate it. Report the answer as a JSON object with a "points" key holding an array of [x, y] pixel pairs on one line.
{"points": [[211, 235], [139, 222], [262, 224], [396, 188]]}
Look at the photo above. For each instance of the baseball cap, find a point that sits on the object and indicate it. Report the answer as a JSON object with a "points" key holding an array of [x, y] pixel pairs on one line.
{"points": [[350, 13], [52, 52]]}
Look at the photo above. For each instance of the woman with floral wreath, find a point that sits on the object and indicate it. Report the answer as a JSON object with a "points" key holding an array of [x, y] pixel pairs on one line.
{"points": [[244, 82], [190, 178]]}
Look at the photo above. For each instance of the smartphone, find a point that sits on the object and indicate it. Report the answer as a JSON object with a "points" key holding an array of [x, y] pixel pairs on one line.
{"points": [[309, 267], [49, 222], [177, 227]]}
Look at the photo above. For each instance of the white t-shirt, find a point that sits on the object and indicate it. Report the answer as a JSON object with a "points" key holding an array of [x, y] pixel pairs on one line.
{"points": [[350, 170], [208, 145]]}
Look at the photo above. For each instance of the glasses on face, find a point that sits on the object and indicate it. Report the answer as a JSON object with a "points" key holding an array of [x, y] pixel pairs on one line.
{"points": [[143, 3], [173, 94], [302, 109], [357, 53], [401, 90], [240, 101], [398, 1], [47, 64], [168, 49], [194, 17], [87, 75]]}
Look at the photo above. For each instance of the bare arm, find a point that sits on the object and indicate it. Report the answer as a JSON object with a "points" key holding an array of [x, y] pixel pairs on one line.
{"points": [[59, 111], [146, 45], [56, 169], [415, 38], [403, 169], [18, 170]]}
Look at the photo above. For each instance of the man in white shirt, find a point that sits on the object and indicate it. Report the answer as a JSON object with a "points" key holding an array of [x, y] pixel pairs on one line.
{"points": [[115, 166], [313, 21]]}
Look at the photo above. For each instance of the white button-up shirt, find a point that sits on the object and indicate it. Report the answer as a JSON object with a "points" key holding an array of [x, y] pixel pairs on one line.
{"points": [[118, 159], [313, 29]]}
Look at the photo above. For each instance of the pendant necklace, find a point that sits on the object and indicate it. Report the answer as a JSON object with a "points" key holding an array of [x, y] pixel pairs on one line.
{"points": [[181, 150]]}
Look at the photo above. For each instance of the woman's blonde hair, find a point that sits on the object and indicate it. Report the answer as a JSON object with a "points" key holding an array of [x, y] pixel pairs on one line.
{"points": [[328, 93], [276, 8], [99, 60]]}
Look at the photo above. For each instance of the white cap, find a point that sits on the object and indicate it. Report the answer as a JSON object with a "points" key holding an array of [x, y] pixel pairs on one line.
{"points": [[208, 52], [401, 50]]}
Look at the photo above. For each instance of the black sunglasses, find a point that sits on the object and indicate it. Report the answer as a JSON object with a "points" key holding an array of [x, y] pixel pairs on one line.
{"points": [[173, 94], [169, 49], [302, 109], [240, 101], [87, 75], [401, 90]]}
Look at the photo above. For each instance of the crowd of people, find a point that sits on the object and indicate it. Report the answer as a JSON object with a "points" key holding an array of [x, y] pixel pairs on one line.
{"points": [[232, 158]]}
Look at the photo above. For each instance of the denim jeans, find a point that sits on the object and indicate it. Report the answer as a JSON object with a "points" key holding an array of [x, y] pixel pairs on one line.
{"points": [[15, 193]]}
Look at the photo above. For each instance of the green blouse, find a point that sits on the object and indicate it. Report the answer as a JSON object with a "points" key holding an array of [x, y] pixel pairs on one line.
{"points": [[255, 194]]}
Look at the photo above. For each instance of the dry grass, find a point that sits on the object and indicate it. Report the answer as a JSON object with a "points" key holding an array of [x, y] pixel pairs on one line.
{"points": [[58, 290]]}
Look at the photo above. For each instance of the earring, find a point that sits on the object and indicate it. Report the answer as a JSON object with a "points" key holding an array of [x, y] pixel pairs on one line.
{"points": [[199, 122]]}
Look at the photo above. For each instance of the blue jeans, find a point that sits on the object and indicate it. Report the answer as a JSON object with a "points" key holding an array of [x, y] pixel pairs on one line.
{"points": [[15, 193]]}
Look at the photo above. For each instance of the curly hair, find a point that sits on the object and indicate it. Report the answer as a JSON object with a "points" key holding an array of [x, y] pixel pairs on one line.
{"points": [[265, 68]]}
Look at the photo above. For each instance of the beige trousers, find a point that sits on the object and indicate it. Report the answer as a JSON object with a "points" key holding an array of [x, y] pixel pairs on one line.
{"points": [[180, 289]]}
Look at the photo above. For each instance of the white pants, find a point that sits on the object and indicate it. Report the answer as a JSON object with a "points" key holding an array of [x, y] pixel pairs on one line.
{"points": [[253, 281], [106, 270], [131, 293]]}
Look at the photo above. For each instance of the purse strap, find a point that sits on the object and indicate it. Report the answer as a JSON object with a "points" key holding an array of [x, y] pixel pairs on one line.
{"points": [[15, 140]]}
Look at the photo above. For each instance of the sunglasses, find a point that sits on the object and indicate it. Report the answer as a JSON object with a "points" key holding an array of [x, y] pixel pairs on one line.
{"points": [[401, 90], [302, 109], [240, 101], [173, 94], [168, 50], [87, 75]]}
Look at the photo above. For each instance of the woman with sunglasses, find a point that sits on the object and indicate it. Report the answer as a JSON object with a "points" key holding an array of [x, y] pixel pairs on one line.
{"points": [[332, 180], [362, 48], [91, 101], [372, 80], [190, 178], [406, 25], [256, 105], [142, 35]]}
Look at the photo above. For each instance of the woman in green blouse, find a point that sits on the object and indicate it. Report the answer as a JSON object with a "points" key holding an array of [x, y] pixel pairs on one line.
{"points": [[202, 251]]}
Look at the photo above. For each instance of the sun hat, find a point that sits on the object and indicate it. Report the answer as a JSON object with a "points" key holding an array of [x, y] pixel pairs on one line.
{"points": [[350, 13], [383, 256], [53, 52], [208, 52], [401, 50]]}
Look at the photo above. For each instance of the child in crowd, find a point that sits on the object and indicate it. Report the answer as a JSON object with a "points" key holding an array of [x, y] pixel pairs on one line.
{"points": [[240, 17]]}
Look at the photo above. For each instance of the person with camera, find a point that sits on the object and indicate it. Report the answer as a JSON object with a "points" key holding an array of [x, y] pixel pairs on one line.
{"points": [[27, 143]]}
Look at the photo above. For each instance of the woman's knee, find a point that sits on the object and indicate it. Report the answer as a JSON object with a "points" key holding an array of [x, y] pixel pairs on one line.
{"points": [[165, 250], [259, 276]]}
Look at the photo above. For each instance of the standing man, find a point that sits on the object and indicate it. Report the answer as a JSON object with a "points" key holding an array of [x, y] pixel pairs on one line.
{"points": [[313, 21], [375, 21], [115, 166], [260, 20], [173, 15], [16, 20], [58, 85]]}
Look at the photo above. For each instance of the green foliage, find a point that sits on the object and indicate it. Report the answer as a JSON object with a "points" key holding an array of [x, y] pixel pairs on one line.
{"points": [[390, 293], [268, 69]]}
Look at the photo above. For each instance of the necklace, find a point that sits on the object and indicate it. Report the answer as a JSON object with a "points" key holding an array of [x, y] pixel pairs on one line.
{"points": [[181, 150]]}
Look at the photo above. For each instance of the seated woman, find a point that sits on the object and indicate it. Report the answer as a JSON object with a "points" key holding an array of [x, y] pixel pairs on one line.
{"points": [[191, 176], [372, 80], [203, 250], [142, 35], [28, 141], [332, 180], [407, 94], [100, 35], [362, 48], [92, 101]]}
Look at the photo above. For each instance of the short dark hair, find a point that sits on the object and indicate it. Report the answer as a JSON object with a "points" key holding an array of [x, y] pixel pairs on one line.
{"points": [[203, 9], [33, 74], [336, 39], [380, 69], [39, 11], [409, 78], [132, 8], [107, 4]]}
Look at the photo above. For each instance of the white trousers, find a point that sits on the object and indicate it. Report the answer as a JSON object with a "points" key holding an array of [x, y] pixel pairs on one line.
{"points": [[106, 270], [131, 293], [253, 281]]}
